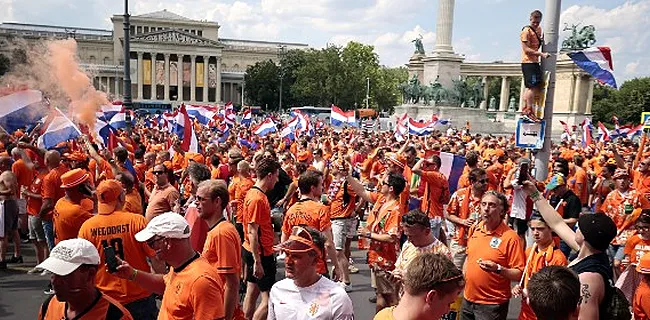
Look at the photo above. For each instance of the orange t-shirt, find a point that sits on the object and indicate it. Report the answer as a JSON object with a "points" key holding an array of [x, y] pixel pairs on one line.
{"points": [[34, 204], [140, 170], [192, 291], [636, 247], [52, 186], [384, 219], [528, 36], [540, 259], [580, 177], [339, 209], [642, 184], [24, 175], [161, 201], [614, 206], [222, 249], [258, 210], [503, 246], [118, 230], [99, 310], [436, 193], [68, 218], [641, 304], [312, 214], [178, 162], [241, 190], [463, 207], [133, 202]]}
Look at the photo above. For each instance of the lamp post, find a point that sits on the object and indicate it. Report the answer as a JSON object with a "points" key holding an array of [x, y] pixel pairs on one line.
{"points": [[368, 93], [127, 103], [281, 49]]}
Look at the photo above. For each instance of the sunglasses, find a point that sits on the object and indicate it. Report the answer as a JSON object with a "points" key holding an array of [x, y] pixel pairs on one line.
{"points": [[158, 172], [152, 242]]}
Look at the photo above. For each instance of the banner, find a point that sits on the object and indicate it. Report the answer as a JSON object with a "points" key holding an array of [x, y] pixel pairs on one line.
{"points": [[199, 74], [146, 72], [187, 74], [173, 73], [160, 72], [134, 71], [212, 76]]}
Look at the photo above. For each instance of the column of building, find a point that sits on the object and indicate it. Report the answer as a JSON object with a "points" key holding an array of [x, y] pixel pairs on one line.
{"points": [[505, 93]]}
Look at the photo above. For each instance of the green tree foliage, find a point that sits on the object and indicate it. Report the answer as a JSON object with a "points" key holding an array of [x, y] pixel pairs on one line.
{"points": [[5, 64], [627, 103], [333, 75]]}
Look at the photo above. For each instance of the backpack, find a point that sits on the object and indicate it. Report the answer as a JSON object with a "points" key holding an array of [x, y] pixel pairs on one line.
{"points": [[615, 305]]}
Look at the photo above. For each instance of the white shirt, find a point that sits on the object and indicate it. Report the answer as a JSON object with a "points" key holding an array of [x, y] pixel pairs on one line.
{"points": [[518, 202], [324, 300]]}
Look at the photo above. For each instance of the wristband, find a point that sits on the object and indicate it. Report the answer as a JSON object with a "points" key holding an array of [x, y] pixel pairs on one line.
{"points": [[369, 235], [499, 268], [133, 275], [535, 196]]}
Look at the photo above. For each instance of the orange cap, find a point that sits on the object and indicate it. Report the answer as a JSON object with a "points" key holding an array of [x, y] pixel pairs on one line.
{"points": [[303, 156], [397, 160], [108, 194], [644, 264], [74, 178]]}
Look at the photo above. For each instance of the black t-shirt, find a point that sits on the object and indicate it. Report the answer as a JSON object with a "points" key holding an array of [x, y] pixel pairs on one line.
{"points": [[572, 206], [280, 189]]}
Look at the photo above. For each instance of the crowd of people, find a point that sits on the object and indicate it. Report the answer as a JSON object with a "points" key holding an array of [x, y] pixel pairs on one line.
{"points": [[147, 230]]}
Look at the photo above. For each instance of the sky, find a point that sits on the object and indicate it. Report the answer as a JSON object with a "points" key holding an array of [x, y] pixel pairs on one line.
{"points": [[484, 30]]}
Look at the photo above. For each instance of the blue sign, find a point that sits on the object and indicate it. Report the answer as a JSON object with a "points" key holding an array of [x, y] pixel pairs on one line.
{"points": [[530, 135]]}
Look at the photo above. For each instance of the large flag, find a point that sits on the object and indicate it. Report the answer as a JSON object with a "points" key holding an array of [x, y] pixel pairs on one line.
{"points": [[603, 132], [56, 129], [340, 117], [452, 167], [419, 128], [586, 132], [110, 110], [265, 128], [632, 132], [287, 133], [22, 109], [184, 129], [202, 113], [597, 62], [565, 126], [247, 118]]}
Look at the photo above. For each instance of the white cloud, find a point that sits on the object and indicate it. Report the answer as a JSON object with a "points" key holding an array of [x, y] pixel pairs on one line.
{"points": [[631, 68], [7, 12]]}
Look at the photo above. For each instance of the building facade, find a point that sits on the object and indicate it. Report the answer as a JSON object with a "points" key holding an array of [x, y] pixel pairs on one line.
{"points": [[173, 59]]}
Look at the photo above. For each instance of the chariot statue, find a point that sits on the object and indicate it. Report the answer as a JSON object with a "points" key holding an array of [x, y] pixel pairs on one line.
{"points": [[579, 39], [419, 47]]}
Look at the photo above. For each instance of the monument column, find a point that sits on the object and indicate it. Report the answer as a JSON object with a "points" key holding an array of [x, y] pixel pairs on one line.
{"points": [[576, 106], [154, 84], [117, 86], [505, 94], [444, 26], [140, 75], [193, 78], [180, 77], [218, 86], [166, 77], [521, 94], [206, 60], [486, 93]]}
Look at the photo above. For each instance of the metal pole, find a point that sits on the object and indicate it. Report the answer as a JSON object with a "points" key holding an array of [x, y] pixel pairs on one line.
{"points": [[368, 93], [127, 103], [281, 48], [551, 34]]}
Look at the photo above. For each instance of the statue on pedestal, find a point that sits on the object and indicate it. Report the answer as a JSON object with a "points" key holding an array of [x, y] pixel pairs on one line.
{"points": [[419, 47], [511, 105], [493, 104], [578, 40]]}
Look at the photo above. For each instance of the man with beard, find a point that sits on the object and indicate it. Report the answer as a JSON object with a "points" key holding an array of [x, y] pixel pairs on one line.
{"points": [[305, 293], [74, 264]]}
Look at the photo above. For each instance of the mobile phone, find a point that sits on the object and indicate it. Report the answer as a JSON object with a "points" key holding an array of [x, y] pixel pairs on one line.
{"points": [[523, 173], [111, 259]]}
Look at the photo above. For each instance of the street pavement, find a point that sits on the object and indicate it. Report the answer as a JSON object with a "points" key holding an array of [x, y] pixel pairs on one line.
{"points": [[21, 294]]}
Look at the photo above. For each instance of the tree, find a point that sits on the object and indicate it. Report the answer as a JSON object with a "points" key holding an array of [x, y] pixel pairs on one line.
{"points": [[627, 103], [5, 64], [384, 91], [262, 84]]}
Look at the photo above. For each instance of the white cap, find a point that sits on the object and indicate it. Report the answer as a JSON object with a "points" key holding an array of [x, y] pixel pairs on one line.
{"points": [[68, 255], [166, 225]]}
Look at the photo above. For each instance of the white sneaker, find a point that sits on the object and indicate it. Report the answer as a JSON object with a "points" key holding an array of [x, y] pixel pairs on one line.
{"points": [[45, 273], [49, 291], [281, 256], [34, 270], [353, 269], [347, 287]]}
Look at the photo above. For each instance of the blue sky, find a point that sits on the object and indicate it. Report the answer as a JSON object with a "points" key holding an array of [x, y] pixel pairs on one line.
{"points": [[484, 30]]}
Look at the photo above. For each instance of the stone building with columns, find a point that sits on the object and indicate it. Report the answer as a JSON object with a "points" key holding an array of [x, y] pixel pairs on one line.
{"points": [[174, 59]]}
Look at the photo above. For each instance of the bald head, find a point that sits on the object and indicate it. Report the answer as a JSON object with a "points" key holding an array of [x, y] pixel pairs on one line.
{"points": [[52, 159]]}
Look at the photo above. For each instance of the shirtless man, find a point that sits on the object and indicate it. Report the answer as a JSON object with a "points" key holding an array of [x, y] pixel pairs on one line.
{"points": [[8, 189]]}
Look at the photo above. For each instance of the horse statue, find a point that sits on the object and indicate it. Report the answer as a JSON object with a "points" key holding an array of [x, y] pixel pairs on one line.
{"points": [[579, 39], [419, 47]]}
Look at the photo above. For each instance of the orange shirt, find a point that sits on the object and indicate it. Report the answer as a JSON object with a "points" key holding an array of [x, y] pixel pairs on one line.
{"points": [[614, 206], [56, 310], [52, 186], [540, 259], [312, 214], [580, 177], [436, 193], [133, 202], [24, 175], [140, 170], [258, 210], [178, 162], [68, 218], [384, 219], [503, 246], [245, 184], [34, 204], [635, 248], [161, 201], [192, 291], [642, 184], [641, 304], [529, 37], [339, 209], [222, 249], [118, 230], [463, 205]]}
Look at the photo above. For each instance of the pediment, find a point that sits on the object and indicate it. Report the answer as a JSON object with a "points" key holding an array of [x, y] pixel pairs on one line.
{"points": [[174, 36]]}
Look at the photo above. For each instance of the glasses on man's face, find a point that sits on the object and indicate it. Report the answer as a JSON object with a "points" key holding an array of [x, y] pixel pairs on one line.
{"points": [[152, 242]]}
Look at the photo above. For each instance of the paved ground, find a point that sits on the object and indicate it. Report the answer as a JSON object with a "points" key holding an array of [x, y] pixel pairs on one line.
{"points": [[21, 294]]}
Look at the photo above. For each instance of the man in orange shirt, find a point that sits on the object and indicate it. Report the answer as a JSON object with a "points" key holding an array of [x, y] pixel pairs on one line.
{"points": [[308, 211], [495, 258], [164, 196], [241, 188], [133, 202], [192, 288], [436, 193], [222, 246], [69, 211], [51, 193], [74, 264], [532, 40], [34, 201], [258, 241], [642, 183], [641, 304], [463, 211], [114, 228], [579, 182]]}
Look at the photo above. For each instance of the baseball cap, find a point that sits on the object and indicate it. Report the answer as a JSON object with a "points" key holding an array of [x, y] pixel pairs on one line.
{"points": [[167, 225], [68, 255], [598, 230], [556, 181], [644, 264], [108, 194], [619, 173]]}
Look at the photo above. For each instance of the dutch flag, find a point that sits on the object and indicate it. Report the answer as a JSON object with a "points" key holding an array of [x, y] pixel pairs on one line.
{"points": [[265, 128], [57, 128], [22, 109], [340, 117], [202, 113], [419, 128], [247, 118], [597, 62]]}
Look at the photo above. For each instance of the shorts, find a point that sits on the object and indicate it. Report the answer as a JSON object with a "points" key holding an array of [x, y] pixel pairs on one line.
{"points": [[240, 230], [144, 308], [343, 229], [10, 211], [36, 231], [532, 75], [381, 282], [270, 267], [519, 225], [476, 311]]}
